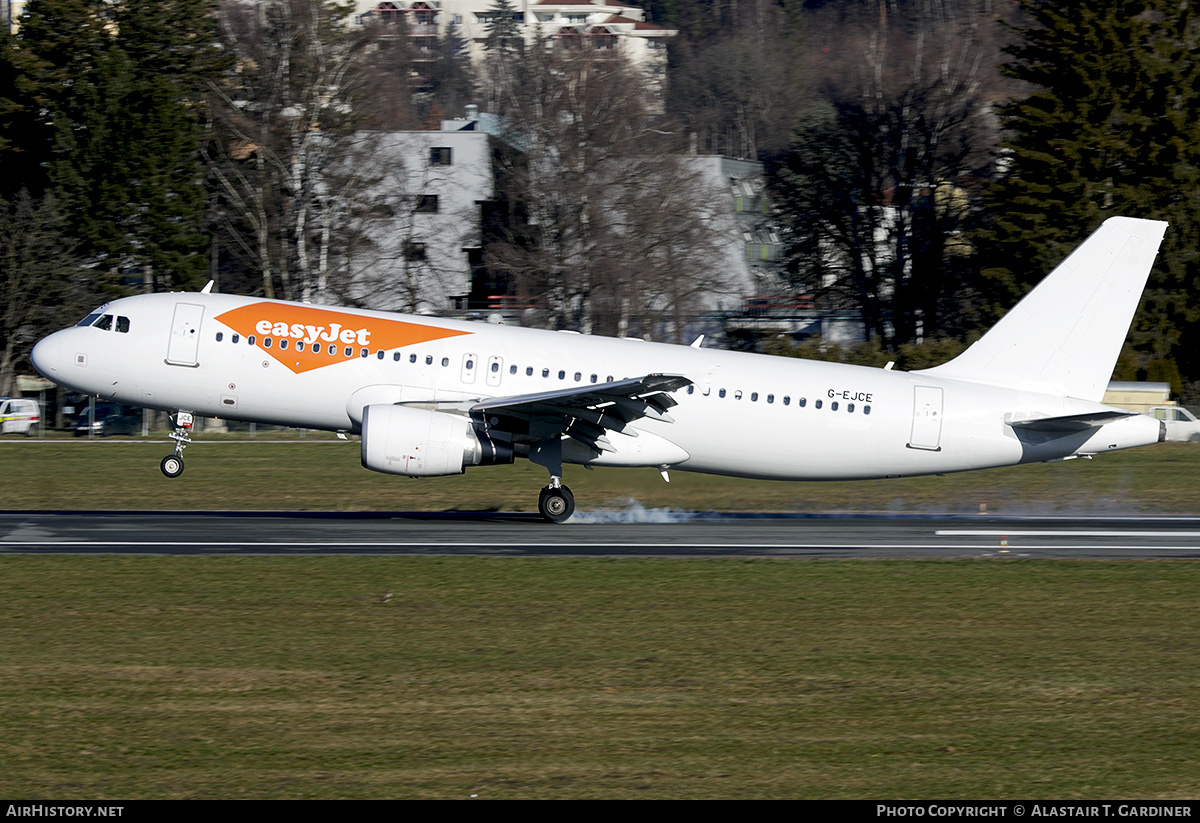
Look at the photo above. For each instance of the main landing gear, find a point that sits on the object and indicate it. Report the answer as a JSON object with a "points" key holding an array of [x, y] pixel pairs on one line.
{"points": [[172, 464], [556, 503]]}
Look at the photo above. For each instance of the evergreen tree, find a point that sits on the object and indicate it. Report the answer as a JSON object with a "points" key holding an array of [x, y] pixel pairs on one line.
{"points": [[503, 29], [116, 96], [1111, 126], [174, 58], [48, 72]]}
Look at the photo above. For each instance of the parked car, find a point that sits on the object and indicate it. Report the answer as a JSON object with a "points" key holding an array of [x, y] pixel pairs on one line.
{"points": [[19, 415], [108, 419], [1181, 423]]}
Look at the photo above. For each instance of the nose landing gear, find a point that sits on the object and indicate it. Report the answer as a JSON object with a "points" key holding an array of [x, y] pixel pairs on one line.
{"points": [[172, 464]]}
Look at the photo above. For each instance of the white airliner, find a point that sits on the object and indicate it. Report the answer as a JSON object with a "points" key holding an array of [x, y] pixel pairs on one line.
{"points": [[433, 397]]}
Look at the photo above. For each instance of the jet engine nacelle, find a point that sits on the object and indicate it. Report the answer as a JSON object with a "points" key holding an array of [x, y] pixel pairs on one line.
{"points": [[423, 443]]}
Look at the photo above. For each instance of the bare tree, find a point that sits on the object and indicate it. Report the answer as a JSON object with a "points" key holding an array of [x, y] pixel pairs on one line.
{"points": [[286, 116], [42, 283], [608, 228], [876, 189]]}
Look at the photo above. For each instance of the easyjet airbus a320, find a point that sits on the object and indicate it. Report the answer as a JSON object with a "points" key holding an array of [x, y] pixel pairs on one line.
{"points": [[434, 397]]}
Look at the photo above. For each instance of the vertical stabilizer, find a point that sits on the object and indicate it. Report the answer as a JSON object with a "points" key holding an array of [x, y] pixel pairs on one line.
{"points": [[1065, 335]]}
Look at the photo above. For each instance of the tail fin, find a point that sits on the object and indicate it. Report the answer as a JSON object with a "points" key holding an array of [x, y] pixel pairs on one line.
{"points": [[1065, 335]]}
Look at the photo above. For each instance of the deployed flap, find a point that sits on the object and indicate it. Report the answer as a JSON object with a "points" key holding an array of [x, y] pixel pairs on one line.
{"points": [[1071, 422], [586, 412]]}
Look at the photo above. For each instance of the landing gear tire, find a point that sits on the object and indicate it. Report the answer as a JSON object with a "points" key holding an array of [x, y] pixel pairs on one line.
{"points": [[556, 504], [171, 465]]}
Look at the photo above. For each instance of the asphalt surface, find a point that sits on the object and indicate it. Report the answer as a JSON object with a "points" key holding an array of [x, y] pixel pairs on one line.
{"points": [[642, 533]]}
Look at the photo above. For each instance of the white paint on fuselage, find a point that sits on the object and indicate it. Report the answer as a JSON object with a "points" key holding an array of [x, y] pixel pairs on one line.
{"points": [[749, 431]]}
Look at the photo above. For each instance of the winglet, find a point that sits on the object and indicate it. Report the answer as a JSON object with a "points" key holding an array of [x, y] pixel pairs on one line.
{"points": [[208, 287]]}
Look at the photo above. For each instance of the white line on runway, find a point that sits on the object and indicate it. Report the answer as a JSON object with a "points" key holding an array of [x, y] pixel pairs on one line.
{"points": [[1056, 533]]}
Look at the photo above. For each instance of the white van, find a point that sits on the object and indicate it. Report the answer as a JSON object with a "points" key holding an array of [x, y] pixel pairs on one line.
{"points": [[1181, 423], [19, 415]]}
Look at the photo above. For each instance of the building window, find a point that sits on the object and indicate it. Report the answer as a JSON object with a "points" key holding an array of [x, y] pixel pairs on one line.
{"points": [[440, 156], [426, 204]]}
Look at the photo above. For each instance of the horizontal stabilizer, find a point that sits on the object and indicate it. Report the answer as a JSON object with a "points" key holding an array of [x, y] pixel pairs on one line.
{"points": [[1071, 422]]}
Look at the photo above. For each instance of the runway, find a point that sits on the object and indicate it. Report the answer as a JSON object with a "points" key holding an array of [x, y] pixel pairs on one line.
{"points": [[645, 533]]}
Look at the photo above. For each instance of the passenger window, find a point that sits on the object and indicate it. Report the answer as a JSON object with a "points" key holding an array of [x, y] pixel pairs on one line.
{"points": [[817, 404], [562, 375], [364, 353], [396, 357], [832, 406], [850, 408], [545, 372], [266, 342], [578, 377], [803, 401], [737, 395], [283, 343], [594, 378], [347, 352], [770, 398], [379, 354], [250, 340], [220, 337], [787, 400], [691, 389], [445, 361], [753, 397], [429, 360], [721, 393], [234, 339], [866, 409]]}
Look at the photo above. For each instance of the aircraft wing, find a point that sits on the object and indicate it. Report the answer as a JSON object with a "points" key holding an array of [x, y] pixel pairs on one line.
{"points": [[586, 412]]}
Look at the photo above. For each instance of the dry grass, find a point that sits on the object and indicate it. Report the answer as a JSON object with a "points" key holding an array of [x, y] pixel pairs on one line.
{"points": [[324, 474], [508, 678]]}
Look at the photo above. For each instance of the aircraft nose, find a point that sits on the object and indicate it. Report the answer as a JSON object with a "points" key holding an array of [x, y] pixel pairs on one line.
{"points": [[45, 355]]}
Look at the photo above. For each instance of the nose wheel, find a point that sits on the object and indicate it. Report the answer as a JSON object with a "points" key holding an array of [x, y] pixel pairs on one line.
{"points": [[556, 503], [172, 464]]}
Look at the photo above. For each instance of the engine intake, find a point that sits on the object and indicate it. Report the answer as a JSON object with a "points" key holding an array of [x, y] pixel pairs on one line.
{"points": [[423, 443]]}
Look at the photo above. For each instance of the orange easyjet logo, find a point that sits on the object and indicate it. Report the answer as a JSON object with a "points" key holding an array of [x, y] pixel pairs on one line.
{"points": [[305, 337]]}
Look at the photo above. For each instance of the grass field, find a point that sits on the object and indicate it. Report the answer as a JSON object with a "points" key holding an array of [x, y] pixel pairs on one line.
{"points": [[297, 677], [506, 678], [321, 473]]}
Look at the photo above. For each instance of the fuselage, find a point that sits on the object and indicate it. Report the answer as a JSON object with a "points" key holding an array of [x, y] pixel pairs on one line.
{"points": [[744, 414]]}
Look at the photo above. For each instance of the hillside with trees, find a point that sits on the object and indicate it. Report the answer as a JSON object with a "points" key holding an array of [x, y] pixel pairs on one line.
{"points": [[929, 160]]}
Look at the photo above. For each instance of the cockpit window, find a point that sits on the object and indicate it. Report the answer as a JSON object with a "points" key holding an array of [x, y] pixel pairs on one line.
{"points": [[89, 320], [122, 324], [105, 322]]}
